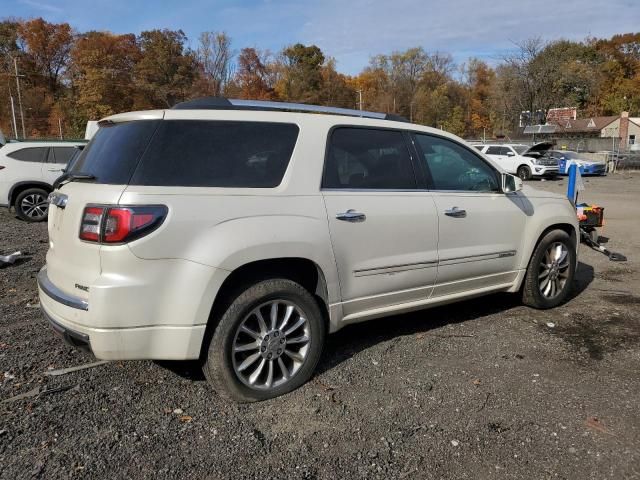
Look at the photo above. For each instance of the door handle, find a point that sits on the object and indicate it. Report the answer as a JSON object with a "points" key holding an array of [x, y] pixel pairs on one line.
{"points": [[55, 169], [455, 212], [351, 216]]}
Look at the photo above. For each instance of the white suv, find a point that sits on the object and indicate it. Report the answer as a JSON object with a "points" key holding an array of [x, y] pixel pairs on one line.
{"points": [[241, 233], [522, 160], [27, 173]]}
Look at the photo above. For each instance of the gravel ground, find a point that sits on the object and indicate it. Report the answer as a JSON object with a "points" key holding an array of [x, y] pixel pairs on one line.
{"points": [[485, 388]]}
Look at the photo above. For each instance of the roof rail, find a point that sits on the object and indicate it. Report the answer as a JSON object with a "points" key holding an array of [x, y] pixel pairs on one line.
{"points": [[220, 103]]}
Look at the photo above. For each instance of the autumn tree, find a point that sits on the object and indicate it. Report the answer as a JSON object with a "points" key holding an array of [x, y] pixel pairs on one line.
{"points": [[164, 71], [48, 46], [253, 76], [102, 66], [215, 57], [620, 86], [480, 81], [336, 90]]}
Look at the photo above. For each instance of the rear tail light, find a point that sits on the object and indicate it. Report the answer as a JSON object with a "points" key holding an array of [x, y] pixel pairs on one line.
{"points": [[103, 224]]}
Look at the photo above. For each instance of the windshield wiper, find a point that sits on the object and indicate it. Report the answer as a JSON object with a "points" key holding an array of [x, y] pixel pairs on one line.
{"points": [[70, 177]]}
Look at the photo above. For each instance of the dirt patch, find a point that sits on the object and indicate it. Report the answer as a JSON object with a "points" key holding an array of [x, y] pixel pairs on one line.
{"points": [[622, 299], [597, 337], [614, 274]]}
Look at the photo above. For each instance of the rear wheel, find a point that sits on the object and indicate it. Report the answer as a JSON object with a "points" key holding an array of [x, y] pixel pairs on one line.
{"points": [[550, 272], [32, 205], [267, 343], [524, 172]]}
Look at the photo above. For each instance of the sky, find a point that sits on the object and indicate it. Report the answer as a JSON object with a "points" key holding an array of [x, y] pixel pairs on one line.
{"points": [[351, 31]]}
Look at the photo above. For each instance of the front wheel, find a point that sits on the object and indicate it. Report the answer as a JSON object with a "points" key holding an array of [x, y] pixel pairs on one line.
{"points": [[524, 172], [267, 343], [550, 273], [32, 205]]}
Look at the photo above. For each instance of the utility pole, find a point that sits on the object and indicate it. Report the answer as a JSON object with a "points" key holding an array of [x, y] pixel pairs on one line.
{"points": [[60, 127], [15, 65], [360, 94], [13, 115]]}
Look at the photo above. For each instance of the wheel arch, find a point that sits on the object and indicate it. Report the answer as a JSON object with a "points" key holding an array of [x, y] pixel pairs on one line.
{"points": [[20, 187], [564, 226], [302, 270]]}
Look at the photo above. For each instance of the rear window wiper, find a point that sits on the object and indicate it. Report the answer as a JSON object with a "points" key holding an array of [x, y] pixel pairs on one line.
{"points": [[72, 176]]}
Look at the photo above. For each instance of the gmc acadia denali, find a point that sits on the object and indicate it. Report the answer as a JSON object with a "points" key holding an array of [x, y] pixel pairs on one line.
{"points": [[241, 233]]}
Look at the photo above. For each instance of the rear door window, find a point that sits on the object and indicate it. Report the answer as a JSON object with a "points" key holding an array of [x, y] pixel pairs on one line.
{"points": [[205, 153], [113, 153], [32, 154], [61, 155], [367, 158]]}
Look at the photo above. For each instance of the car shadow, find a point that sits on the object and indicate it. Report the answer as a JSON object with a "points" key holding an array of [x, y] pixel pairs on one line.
{"points": [[358, 337]]}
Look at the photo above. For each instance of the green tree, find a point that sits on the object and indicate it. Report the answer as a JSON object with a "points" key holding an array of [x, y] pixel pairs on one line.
{"points": [[301, 73], [165, 71]]}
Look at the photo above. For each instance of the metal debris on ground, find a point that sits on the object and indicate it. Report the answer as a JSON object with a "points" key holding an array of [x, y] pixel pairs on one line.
{"points": [[9, 259], [64, 371], [31, 393], [36, 392]]}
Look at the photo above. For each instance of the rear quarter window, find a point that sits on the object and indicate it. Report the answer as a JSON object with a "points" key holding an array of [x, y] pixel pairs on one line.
{"points": [[61, 155], [205, 153], [33, 154]]}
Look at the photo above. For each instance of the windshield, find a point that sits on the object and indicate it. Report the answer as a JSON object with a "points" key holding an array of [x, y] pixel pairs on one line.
{"points": [[520, 149], [569, 155]]}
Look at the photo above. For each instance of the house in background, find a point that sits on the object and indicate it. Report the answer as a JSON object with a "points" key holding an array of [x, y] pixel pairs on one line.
{"points": [[594, 134]]}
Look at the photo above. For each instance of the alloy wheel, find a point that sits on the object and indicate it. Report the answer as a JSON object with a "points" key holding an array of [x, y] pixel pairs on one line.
{"points": [[34, 205], [271, 344], [554, 270]]}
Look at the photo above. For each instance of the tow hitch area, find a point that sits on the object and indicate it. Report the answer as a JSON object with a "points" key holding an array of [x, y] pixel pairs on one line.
{"points": [[590, 217]]}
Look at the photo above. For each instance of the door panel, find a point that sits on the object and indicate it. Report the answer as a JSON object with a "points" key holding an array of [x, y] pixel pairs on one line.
{"points": [[484, 242], [384, 229], [390, 257], [479, 226]]}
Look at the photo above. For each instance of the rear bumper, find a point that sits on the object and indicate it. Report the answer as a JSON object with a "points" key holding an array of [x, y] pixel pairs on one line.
{"points": [[85, 324], [73, 338]]}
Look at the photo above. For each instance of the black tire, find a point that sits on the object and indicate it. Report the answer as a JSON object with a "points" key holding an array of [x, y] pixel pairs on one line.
{"points": [[524, 172], [219, 367], [534, 286], [31, 205]]}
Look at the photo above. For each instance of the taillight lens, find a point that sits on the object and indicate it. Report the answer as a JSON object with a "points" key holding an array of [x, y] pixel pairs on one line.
{"points": [[120, 224], [91, 224]]}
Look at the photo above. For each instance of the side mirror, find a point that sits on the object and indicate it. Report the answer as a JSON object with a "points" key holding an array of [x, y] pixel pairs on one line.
{"points": [[511, 183], [510, 154]]}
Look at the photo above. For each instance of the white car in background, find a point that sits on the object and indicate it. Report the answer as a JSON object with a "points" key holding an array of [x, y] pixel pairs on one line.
{"points": [[27, 173], [522, 160]]}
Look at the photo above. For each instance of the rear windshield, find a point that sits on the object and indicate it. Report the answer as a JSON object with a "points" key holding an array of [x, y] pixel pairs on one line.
{"points": [[190, 153], [199, 153], [113, 153]]}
